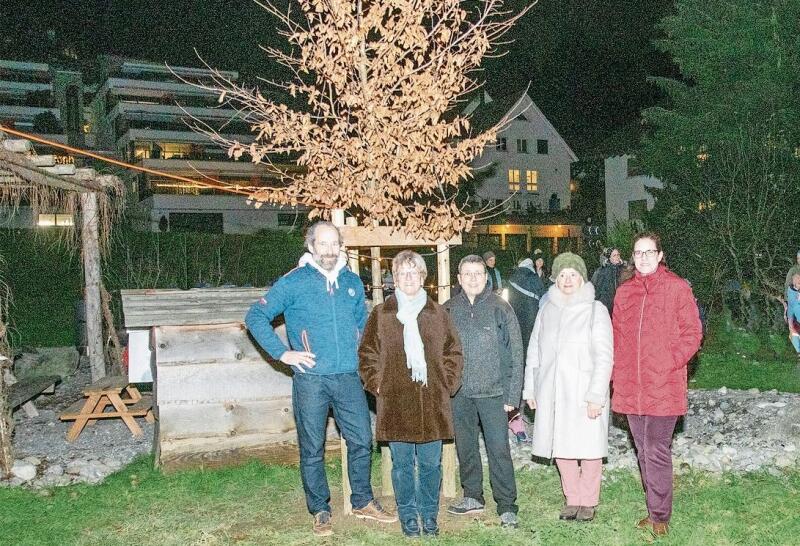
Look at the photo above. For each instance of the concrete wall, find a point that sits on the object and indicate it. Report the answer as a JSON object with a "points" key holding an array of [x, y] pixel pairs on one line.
{"points": [[237, 215]]}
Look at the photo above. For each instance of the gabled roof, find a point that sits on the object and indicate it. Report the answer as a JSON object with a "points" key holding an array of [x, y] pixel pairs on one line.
{"points": [[484, 111]]}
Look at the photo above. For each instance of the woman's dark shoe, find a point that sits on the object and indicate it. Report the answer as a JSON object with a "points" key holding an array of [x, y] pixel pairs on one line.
{"points": [[568, 512], [585, 513], [410, 527], [430, 528]]}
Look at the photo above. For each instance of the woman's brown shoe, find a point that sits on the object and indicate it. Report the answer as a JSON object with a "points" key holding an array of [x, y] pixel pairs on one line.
{"points": [[645, 523], [585, 513], [568, 512], [660, 529]]}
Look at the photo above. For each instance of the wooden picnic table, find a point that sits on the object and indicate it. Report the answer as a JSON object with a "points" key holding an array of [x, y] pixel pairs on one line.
{"points": [[124, 399]]}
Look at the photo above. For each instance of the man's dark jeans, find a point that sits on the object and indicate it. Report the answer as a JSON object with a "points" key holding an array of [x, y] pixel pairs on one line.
{"points": [[469, 416], [312, 398]]}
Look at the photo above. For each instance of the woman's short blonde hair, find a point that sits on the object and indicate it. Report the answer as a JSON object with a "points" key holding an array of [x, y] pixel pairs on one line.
{"points": [[412, 258]]}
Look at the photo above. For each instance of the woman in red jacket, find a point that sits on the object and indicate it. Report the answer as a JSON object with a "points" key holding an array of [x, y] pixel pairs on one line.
{"points": [[656, 331]]}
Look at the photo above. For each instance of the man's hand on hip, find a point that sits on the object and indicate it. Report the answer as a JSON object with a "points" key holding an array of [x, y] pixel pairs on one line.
{"points": [[300, 360]]}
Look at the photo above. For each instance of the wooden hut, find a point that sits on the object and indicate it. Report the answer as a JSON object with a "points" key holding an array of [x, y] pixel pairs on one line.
{"points": [[220, 399]]}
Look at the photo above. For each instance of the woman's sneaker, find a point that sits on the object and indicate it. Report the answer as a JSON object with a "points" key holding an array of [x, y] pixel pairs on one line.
{"points": [[467, 505]]}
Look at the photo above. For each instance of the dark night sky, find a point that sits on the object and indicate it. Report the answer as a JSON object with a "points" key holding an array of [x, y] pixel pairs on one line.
{"points": [[587, 60]]}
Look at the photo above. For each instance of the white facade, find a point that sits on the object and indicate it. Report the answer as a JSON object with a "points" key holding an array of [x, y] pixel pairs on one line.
{"points": [[530, 161], [627, 194]]}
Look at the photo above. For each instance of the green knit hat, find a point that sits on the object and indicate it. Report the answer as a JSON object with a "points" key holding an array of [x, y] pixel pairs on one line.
{"points": [[568, 259]]}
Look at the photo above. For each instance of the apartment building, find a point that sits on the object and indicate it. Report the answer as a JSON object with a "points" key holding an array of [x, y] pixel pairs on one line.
{"points": [[143, 112]]}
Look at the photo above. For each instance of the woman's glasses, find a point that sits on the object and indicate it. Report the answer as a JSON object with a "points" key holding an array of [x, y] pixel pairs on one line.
{"points": [[649, 253]]}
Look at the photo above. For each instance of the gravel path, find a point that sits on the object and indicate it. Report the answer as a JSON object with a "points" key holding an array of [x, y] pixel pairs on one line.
{"points": [[44, 457]]}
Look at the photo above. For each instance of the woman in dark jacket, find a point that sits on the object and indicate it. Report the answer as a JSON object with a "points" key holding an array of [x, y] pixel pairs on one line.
{"points": [[656, 331], [411, 359]]}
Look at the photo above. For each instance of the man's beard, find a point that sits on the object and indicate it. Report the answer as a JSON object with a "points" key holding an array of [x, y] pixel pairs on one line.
{"points": [[327, 261]]}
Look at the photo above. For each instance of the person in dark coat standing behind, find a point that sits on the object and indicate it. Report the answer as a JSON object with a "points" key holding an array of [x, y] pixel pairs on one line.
{"points": [[606, 278], [411, 360], [495, 281], [525, 291], [540, 267]]}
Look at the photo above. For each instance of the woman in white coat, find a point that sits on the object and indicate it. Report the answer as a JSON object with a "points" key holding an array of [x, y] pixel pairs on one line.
{"points": [[567, 376]]}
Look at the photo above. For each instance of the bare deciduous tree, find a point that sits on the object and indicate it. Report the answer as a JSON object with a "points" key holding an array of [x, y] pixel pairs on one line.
{"points": [[378, 79]]}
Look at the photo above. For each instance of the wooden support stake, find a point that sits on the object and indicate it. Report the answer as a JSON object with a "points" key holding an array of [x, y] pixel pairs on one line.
{"points": [[377, 281], [91, 271], [449, 448], [337, 218]]}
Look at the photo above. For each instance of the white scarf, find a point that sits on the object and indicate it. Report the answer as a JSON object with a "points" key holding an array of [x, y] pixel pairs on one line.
{"points": [[407, 310], [331, 276]]}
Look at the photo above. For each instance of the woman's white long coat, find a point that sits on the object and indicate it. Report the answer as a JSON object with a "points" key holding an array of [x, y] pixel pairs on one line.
{"points": [[568, 365]]}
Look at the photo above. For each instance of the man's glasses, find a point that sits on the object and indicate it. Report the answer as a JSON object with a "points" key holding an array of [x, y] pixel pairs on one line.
{"points": [[649, 253], [473, 275]]}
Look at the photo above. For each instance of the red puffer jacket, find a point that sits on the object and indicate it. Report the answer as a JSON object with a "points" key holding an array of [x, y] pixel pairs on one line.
{"points": [[656, 331]]}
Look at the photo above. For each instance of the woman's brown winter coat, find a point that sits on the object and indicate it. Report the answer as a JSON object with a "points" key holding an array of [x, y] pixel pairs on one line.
{"points": [[409, 411]]}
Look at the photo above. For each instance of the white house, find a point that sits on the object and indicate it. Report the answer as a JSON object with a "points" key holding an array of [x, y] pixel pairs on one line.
{"points": [[627, 191], [141, 111], [529, 163]]}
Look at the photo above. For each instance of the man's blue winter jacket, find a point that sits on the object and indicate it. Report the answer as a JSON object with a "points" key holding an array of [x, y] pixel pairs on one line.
{"points": [[328, 324]]}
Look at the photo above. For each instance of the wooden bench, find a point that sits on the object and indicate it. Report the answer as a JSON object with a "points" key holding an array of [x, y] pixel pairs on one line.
{"points": [[21, 392], [108, 391]]}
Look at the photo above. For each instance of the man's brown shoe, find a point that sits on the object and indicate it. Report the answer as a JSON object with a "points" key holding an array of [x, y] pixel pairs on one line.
{"points": [[645, 523], [374, 511], [660, 529], [322, 524]]}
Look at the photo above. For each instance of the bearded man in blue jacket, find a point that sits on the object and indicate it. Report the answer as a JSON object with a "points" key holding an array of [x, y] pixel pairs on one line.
{"points": [[323, 306]]}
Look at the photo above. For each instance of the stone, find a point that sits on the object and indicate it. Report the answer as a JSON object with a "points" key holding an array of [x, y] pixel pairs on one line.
{"points": [[33, 460], [782, 461], [790, 448], [723, 390], [753, 391], [23, 470], [54, 470]]}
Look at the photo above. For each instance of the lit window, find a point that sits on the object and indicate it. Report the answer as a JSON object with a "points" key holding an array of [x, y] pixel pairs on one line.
{"points": [[513, 179], [541, 147], [522, 146], [58, 220], [532, 181]]}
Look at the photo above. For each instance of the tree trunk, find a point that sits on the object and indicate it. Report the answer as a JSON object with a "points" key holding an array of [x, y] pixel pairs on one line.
{"points": [[91, 272]]}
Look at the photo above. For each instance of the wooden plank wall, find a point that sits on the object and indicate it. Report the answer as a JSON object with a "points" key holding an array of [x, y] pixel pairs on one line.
{"points": [[146, 308], [220, 400]]}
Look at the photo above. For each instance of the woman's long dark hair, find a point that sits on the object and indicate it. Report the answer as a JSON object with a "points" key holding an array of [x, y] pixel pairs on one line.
{"points": [[630, 271]]}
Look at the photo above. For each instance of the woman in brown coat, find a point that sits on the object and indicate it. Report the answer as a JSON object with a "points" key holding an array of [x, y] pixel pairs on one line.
{"points": [[411, 360]]}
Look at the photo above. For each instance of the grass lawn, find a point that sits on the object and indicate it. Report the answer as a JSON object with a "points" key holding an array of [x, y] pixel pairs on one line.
{"points": [[257, 504], [738, 359]]}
